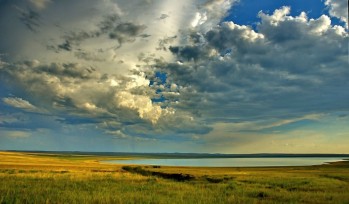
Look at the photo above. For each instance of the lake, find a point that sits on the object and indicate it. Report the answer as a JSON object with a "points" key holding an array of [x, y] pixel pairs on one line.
{"points": [[232, 162]]}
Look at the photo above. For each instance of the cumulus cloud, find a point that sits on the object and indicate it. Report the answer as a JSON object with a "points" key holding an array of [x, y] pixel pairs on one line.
{"points": [[142, 104], [288, 65], [174, 70], [81, 92], [210, 13], [338, 9]]}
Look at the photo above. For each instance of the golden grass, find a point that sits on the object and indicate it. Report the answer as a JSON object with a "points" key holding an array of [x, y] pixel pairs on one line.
{"points": [[55, 178]]}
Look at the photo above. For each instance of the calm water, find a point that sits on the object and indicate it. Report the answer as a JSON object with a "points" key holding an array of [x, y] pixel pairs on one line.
{"points": [[232, 162]]}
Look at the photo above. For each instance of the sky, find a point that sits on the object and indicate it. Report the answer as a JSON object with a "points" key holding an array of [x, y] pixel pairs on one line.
{"points": [[213, 76]]}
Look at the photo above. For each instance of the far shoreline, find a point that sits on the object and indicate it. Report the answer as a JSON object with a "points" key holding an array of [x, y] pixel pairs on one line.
{"points": [[179, 155]]}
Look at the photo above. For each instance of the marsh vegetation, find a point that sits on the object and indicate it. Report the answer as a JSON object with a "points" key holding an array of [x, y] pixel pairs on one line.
{"points": [[45, 178]]}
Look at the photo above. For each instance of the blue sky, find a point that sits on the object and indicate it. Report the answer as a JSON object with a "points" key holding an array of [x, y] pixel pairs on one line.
{"points": [[246, 12], [221, 76]]}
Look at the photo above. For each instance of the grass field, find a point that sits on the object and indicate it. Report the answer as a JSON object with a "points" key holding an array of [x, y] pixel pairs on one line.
{"points": [[55, 178]]}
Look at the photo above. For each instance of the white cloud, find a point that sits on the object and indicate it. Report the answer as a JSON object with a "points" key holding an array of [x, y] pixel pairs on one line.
{"points": [[279, 15], [338, 9], [142, 104], [199, 19], [285, 67], [76, 90]]}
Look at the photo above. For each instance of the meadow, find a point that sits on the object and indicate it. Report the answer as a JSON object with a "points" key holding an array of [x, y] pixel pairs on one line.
{"points": [[72, 178]]}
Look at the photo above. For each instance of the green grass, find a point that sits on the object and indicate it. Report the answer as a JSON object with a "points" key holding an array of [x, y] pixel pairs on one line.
{"points": [[28, 178]]}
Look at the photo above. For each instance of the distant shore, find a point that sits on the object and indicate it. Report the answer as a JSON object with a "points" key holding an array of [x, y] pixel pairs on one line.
{"points": [[180, 155]]}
